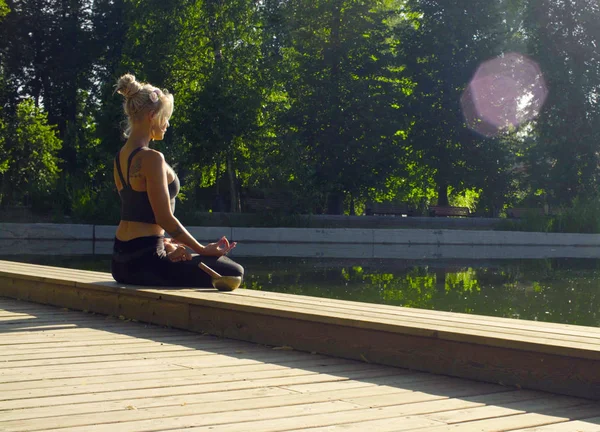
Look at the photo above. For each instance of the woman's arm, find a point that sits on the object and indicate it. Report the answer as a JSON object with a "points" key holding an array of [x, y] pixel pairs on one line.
{"points": [[155, 170]]}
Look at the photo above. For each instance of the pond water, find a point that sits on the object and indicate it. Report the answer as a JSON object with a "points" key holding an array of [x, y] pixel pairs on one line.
{"points": [[562, 290]]}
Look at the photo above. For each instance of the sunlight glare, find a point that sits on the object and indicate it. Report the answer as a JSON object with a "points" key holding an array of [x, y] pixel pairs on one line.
{"points": [[504, 93]]}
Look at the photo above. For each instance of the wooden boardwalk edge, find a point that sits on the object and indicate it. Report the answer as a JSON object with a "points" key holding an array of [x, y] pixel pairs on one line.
{"points": [[562, 371]]}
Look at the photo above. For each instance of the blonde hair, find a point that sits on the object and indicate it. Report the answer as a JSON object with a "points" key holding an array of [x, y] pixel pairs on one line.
{"points": [[142, 98]]}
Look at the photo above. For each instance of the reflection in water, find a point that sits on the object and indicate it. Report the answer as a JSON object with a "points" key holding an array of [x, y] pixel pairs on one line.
{"points": [[564, 291], [557, 290]]}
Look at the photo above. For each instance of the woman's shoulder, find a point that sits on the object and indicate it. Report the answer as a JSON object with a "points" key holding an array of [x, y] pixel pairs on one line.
{"points": [[153, 154], [153, 159]]}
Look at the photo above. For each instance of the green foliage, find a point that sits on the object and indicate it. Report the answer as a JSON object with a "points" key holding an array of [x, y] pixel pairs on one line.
{"points": [[347, 93], [96, 206], [4, 161], [582, 217], [30, 157], [4, 9], [532, 221], [563, 38], [468, 198], [442, 50], [328, 103]]}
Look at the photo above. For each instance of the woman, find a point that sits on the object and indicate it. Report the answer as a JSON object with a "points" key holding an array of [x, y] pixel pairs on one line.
{"points": [[148, 187]]}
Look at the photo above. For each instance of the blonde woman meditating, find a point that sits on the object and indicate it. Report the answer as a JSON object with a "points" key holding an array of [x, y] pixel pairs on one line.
{"points": [[148, 187]]}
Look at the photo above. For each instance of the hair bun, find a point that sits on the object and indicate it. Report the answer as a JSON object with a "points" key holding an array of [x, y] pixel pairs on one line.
{"points": [[128, 86]]}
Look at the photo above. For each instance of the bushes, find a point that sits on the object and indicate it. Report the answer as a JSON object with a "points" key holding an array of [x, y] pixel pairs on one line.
{"points": [[96, 207], [582, 217]]}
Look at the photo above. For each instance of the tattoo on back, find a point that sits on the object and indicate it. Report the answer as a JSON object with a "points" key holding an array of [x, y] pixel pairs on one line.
{"points": [[136, 167], [176, 233]]}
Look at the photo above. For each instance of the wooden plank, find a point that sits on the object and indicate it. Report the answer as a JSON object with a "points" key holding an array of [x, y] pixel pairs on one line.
{"points": [[439, 389], [110, 327], [452, 317], [191, 409], [117, 372], [510, 334], [152, 310], [546, 360], [437, 331], [220, 401], [544, 404], [520, 421], [256, 388], [11, 376], [84, 369], [175, 380], [561, 374], [380, 425], [412, 328], [109, 349], [183, 389], [407, 415], [48, 339], [98, 361], [157, 424], [110, 355], [582, 334], [211, 403], [587, 425], [429, 390], [59, 346], [309, 364]]}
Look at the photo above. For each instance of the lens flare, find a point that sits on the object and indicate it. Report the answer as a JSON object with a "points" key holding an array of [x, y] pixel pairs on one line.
{"points": [[504, 93]]}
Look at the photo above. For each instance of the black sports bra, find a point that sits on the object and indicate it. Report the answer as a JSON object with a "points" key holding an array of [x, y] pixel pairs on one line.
{"points": [[135, 205]]}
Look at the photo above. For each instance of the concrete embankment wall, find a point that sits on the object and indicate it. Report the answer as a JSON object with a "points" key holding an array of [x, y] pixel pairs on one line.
{"points": [[354, 243], [15, 231]]}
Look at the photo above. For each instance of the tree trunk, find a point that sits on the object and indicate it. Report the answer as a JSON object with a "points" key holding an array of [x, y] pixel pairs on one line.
{"points": [[440, 281], [442, 194], [332, 150], [233, 189], [217, 203], [335, 203]]}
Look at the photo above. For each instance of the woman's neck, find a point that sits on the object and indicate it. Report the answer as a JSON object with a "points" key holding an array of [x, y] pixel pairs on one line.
{"points": [[138, 138]]}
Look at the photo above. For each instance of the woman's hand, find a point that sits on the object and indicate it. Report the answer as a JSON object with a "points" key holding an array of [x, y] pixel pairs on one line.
{"points": [[179, 254], [220, 248], [170, 246]]}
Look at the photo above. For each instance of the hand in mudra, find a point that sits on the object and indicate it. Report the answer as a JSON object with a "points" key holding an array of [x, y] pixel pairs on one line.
{"points": [[180, 254], [176, 252], [220, 248]]}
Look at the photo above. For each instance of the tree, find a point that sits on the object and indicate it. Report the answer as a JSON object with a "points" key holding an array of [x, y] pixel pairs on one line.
{"points": [[30, 157], [48, 52], [48, 57], [443, 48], [563, 37], [346, 94]]}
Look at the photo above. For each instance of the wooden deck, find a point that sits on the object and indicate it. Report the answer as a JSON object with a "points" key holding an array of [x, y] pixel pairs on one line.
{"points": [[63, 370], [558, 358]]}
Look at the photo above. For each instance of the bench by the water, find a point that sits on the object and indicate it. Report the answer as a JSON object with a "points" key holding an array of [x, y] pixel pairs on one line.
{"points": [[449, 211], [388, 208], [553, 357]]}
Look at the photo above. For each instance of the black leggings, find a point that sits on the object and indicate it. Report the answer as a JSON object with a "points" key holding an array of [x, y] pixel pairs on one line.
{"points": [[144, 261]]}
